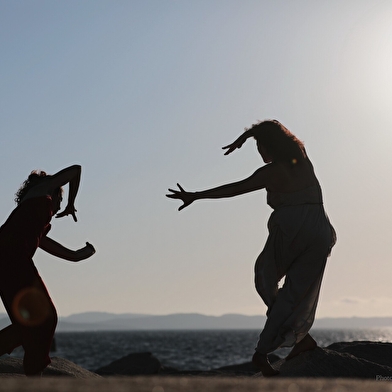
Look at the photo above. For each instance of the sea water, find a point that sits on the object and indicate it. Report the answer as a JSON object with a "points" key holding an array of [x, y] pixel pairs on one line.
{"points": [[185, 350]]}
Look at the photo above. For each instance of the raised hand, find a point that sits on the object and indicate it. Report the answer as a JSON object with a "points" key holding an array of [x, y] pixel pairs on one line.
{"points": [[237, 143], [186, 197], [69, 210]]}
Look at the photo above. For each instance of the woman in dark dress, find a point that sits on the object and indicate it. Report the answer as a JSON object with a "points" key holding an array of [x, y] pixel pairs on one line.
{"points": [[22, 290], [299, 242]]}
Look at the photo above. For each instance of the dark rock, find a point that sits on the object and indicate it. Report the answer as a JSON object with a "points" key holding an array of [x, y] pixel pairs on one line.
{"points": [[132, 365], [58, 367], [329, 363], [344, 359], [376, 352], [63, 367], [244, 369]]}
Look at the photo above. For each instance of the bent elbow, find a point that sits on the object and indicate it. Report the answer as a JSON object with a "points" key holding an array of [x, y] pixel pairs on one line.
{"points": [[77, 168]]}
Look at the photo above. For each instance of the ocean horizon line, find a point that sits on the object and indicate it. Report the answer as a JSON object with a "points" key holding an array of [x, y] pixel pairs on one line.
{"points": [[138, 314]]}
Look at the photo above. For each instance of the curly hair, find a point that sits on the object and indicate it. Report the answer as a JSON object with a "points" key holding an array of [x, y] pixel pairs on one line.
{"points": [[34, 179], [280, 143]]}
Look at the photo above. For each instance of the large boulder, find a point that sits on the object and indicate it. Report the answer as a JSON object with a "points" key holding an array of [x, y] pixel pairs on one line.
{"points": [[132, 365], [10, 366], [324, 362], [376, 352]]}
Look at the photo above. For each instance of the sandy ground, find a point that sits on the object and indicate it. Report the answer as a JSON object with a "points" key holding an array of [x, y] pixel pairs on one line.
{"points": [[184, 384]]}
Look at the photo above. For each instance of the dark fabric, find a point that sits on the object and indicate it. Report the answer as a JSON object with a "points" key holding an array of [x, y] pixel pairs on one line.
{"points": [[299, 242], [22, 290]]}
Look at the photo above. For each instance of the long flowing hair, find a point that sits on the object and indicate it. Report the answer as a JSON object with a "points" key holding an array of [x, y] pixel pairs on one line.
{"points": [[279, 142]]}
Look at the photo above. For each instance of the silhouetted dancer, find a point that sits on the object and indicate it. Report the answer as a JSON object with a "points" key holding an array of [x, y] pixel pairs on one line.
{"points": [[299, 242], [22, 290]]}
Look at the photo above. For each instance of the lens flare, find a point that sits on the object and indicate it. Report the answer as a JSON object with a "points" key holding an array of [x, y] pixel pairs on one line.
{"points": [[31, 307]]}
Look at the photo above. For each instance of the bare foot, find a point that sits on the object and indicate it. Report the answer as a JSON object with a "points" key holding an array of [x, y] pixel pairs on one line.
{"points": [[261, 362], [306, 344]]}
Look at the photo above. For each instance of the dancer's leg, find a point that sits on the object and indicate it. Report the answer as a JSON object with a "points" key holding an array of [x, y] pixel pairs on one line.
{"points": [[306, 344], [294, 309], [261, 362], [10, 338], [34, 320], [266, 279], [37, 339]]}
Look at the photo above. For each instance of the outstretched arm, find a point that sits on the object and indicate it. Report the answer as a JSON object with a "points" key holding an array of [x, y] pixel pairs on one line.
{"points": [[58, 250], [258, 180]]}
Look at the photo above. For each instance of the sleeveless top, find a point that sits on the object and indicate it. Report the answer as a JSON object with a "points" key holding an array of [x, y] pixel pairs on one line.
{"points": [[310, 195]]}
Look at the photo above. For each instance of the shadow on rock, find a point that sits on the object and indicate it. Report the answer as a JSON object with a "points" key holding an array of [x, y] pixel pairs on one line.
{"points": [[377, 352], [352, 360]]}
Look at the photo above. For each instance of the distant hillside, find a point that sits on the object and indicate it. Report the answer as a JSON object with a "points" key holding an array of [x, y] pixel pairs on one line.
{"points": [[171, 321], [101, 321], [98, 317], [129, 321], [353, 322]]}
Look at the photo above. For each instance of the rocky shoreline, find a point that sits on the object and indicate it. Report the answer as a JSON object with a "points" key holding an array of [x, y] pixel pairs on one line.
{"points": [[362, 359], [369, 360], [345, 366]]}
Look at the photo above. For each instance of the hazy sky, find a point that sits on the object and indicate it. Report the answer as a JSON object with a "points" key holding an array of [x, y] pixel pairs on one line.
{"points": [[143, 94]]}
